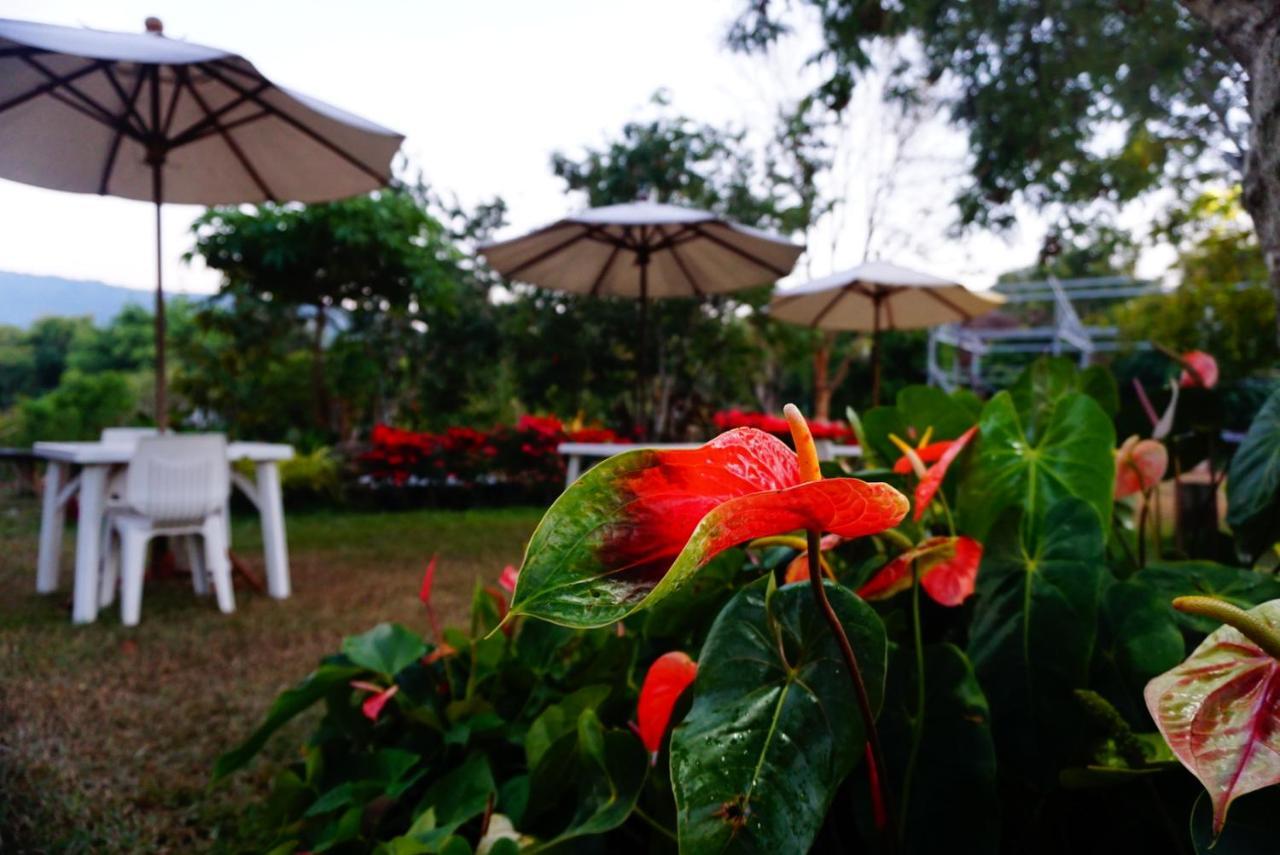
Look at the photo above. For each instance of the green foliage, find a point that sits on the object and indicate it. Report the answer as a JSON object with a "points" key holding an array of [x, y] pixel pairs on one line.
{"points": [[773, 729], [1253, 493], [79, 408]]}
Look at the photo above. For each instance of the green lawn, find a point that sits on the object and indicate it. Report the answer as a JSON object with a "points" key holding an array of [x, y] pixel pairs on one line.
{"points": [[107, 734]]}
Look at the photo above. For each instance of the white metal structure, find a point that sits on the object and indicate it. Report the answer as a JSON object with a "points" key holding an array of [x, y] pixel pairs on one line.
{"points": [[174, 485], [577, 451], [1064, 333], [96, 460]]}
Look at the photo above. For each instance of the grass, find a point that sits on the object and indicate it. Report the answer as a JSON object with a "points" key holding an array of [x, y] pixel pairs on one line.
{"points": [[108, 734]]}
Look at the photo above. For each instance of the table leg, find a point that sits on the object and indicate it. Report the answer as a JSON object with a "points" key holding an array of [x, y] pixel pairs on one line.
{"points": [[573, 470], [51, 519], [271, 510], [93, 493]]}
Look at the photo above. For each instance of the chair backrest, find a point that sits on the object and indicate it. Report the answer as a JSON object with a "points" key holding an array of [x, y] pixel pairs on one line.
{"points": [[126, 435], [178, 478]]}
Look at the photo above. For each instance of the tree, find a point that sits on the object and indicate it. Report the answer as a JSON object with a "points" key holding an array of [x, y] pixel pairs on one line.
{"points": [[1083, 105]]}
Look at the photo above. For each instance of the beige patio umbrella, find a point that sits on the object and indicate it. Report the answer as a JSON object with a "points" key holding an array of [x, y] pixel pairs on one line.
{"points": [[145, 117], [644, 250], [877, 296]]}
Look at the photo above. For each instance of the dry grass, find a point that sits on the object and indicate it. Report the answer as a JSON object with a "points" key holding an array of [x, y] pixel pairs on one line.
{"points": [[107, 735]]}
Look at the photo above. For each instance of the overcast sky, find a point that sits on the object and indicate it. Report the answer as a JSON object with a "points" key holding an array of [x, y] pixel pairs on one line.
{"points": [[485, 91]]}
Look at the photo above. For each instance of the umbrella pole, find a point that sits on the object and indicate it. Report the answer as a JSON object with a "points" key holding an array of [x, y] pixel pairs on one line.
{"points": [[641, 387], [875, 353], [162, 405]]}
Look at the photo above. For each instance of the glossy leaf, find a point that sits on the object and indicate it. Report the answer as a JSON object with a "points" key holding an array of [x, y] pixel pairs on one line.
{"points": [[916, 410], [1253, 481], [668, 676], [1071, 457], [948, 567], [1140, 465], [1235, 585], [774, 727], [1138, 638], [1033, 631], [932, 480], [947, 806], [1220, 713], [1049, 379], [559, 719], [387, 649], [587, 783], [640, 525]]}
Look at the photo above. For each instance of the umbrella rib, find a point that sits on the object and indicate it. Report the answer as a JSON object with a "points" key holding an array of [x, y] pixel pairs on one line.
{"points": [[226, 137], [968, 316], [298, 125], [542, 256], [201, 128], [49, 86], [840, 295], [675, 256], [171, 111], [128, 101], [109, 165], [888, 306], [754, 259], [595, 286], [93, 108]]}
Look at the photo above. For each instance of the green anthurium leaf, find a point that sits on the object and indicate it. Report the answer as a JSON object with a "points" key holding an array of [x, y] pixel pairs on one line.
{"points": [[290, 703], [1138, 638], [1071, 457], [586, 784], [774, 727], [1235, 585], [1049, 379], [916, 410], [945, 800], [1220, 713], [387, 648], [558, 719], [1033, 632], [1253, 829], [456, 846], [1099, 383], [1253, 481], [346, 827], [461, 794], [639, 526]]}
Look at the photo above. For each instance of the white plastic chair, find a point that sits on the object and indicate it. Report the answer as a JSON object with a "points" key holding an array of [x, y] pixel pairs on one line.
{"points": [[127, 436], [174, 485]]}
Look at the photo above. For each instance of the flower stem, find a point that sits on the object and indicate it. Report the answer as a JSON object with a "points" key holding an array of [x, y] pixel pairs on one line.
{"points": [[873, 751], [1142, 530], [1257, 631], [917, 723]]}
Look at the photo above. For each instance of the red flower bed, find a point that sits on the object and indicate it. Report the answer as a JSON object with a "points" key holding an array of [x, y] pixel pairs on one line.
{"points": [[777, 425], [524, 454]]}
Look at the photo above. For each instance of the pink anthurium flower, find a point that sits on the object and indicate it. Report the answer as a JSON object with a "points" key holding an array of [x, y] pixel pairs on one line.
{"points": [[1198, 369], [372, 706], [1219, 711], [1140, 465], [507, 581], [948, 568], [668, 676], [424, 594]]}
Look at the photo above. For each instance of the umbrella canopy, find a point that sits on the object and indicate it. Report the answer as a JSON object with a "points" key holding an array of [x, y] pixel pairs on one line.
{"points": [[145, 117], [644, 250], [879, 296]]}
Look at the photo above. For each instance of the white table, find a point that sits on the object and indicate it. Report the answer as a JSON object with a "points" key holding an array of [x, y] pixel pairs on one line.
{"points": [[576, 451], [96, 460]]}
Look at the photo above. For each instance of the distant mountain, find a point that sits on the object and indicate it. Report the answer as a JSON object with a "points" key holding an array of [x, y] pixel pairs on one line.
{"points": [[25, 297]]}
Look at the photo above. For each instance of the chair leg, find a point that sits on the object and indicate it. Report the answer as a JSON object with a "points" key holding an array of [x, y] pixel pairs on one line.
{"points": [[195, 560], [110, 563], [215, 551], [133, 560]]}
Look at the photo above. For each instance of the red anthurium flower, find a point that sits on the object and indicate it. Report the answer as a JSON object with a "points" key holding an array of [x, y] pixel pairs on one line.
{"points": [[372, 706], [1219, 711], [932, 480], [1140, 465], [1199, 369], [927, 453], [648, 519], [948, 567], [669, 675], [798, 569], [507, 581]]}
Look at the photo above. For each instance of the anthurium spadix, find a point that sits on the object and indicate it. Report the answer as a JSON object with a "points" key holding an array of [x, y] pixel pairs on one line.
{"points": [[639, 525]]}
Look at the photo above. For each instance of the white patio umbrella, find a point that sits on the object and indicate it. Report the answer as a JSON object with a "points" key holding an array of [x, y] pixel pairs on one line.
{"points": [[877, 296], [145, 117], [644, 250]]}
